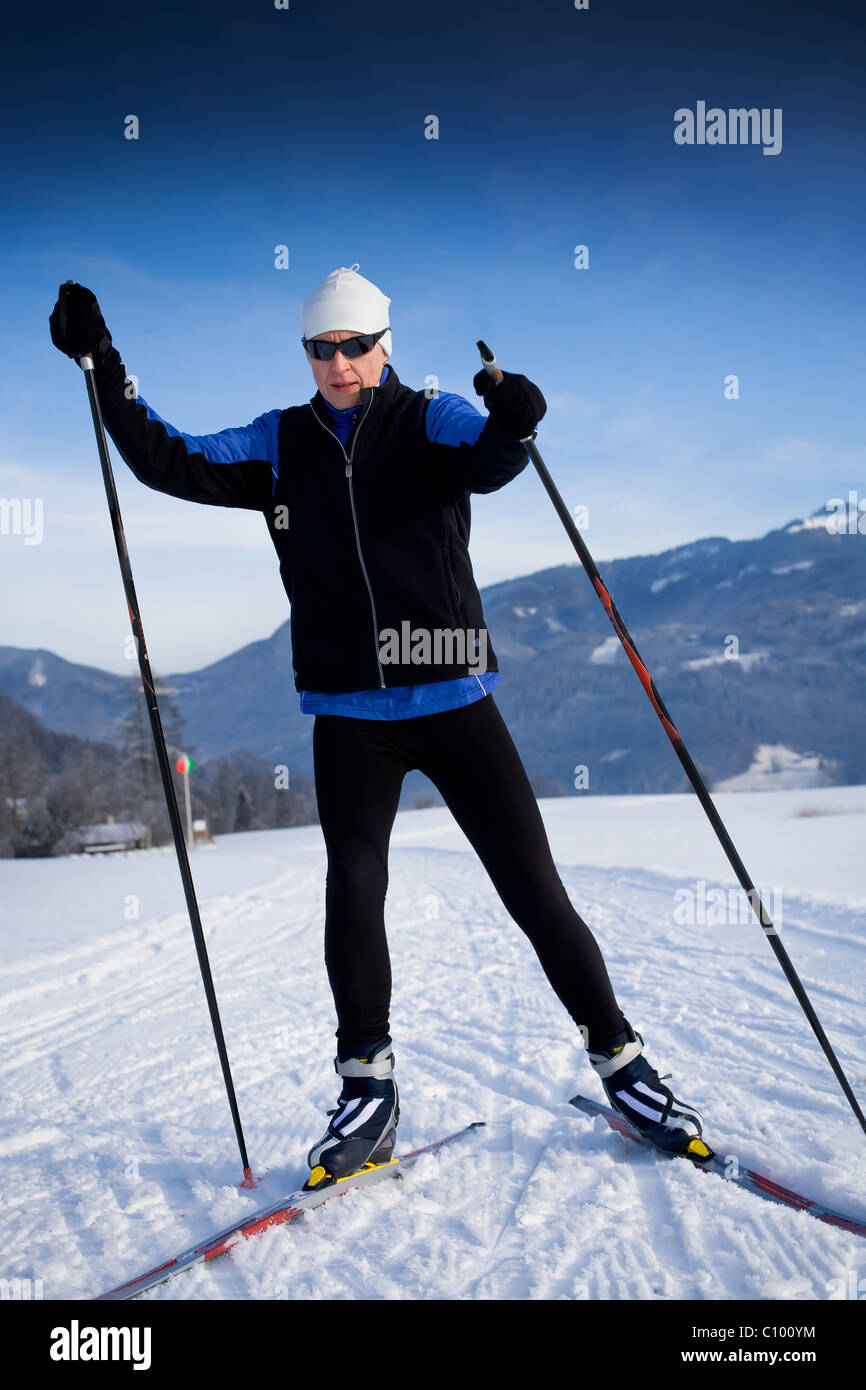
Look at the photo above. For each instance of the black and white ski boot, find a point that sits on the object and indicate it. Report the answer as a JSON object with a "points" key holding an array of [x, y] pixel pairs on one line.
{"points": [[363, 1130], [637, 1092]]}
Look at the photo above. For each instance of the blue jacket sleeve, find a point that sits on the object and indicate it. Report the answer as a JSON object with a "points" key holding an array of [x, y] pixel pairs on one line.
{"points": [[233, 468], [468, 449]]}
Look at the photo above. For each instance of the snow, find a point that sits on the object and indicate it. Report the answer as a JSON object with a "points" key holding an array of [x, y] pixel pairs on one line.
{"points": [[809, 523], [117, 1144], [745, 659], [659, 584], [773, 766], [787, 569]]}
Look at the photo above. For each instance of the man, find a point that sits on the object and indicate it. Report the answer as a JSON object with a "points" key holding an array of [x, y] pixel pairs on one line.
{"points": [[365, 491]]}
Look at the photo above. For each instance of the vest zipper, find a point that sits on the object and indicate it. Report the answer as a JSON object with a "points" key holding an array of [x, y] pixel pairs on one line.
{"points": [[348, 458]]}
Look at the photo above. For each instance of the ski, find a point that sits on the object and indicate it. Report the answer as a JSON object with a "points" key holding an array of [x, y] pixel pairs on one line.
{"points": [[743, 1177], [286, 1209]]}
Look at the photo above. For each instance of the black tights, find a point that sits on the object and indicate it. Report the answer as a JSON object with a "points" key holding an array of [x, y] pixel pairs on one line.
{"points": [[469, 755]]}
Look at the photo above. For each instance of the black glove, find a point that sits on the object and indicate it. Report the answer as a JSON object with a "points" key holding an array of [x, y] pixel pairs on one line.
{"points": [[516, 405], [76, 323]]}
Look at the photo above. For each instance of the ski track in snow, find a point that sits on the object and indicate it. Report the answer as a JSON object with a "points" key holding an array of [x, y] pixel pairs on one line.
{"points": [[117, 1144]]}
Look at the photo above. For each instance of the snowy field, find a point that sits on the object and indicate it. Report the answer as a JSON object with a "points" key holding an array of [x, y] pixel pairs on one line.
{"points": [[116, 1141]]}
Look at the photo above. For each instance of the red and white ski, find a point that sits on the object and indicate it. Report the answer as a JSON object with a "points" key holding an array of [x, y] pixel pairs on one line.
{"points": [[286, 1209], [740, 1177]]}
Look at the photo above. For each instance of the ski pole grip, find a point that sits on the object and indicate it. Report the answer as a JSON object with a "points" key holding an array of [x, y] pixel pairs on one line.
{"points": [[85, 361], [489, 362]]}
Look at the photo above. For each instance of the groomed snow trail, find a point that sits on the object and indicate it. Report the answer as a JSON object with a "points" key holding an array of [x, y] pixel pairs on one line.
{"points": [[116, 1139]]}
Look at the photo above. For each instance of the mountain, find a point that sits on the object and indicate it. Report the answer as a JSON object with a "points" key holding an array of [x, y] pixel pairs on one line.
{"points": [[758, 648], [243, 702], [793, 600], [63, 696]]}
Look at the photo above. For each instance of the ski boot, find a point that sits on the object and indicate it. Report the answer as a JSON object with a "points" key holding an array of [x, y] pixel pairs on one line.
{"points": [[637, 1092], [363, 1130]]}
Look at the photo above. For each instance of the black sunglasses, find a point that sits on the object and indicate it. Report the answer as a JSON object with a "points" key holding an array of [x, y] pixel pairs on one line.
{"points": [[352, 347]]}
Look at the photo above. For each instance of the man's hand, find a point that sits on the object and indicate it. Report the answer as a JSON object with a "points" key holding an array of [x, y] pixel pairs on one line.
{"points": [[76, 323], [515, 404]]}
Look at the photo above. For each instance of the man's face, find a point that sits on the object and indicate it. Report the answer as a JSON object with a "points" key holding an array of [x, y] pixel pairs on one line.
{"points": [[340, 380]]}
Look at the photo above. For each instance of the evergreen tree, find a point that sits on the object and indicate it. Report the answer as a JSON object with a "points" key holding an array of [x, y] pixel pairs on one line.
{"points": [[39, 830], [243, 810], [22, 766], [143, 794], [87, 789]]}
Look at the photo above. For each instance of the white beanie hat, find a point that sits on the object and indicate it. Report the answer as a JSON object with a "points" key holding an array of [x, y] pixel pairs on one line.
{"points": [[344, 300]]}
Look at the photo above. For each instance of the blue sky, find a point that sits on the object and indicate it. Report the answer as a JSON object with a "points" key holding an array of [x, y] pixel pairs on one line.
{"points": [[305, 127]]}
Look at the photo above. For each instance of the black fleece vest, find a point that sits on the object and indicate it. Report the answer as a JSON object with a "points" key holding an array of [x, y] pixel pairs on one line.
{"points": [[374, 540]]}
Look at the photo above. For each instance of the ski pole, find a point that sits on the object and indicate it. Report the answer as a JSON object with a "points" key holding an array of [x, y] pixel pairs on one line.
{"points": [[87, 365], [691, 771]]}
